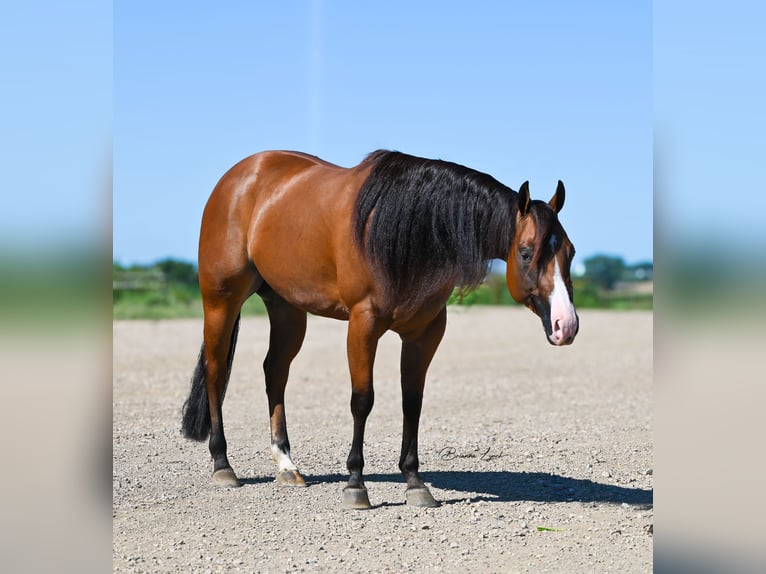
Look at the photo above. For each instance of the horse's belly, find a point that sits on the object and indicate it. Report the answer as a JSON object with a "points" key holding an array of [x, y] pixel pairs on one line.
{"points": [[312, 290], [317, 305]]}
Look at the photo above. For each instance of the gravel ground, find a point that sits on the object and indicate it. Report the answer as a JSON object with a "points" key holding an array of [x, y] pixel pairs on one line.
{"points": [[516, 435]]}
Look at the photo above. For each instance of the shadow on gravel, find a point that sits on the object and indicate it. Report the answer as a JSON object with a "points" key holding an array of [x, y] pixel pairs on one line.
{"points": [[503, 486], [256, 479]]}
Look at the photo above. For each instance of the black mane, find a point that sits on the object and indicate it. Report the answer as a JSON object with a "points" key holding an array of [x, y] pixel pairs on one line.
{"points": [[423, 223]]}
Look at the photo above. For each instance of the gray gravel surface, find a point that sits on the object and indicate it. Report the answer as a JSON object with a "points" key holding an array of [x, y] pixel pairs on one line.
{"points": [[516, 435]]}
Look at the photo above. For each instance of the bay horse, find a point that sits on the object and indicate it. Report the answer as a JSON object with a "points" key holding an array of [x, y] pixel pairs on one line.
{"points": [[381, 245]]}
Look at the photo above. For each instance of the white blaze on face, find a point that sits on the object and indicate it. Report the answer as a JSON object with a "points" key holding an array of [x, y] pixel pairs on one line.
{"points": [[563, 315]]}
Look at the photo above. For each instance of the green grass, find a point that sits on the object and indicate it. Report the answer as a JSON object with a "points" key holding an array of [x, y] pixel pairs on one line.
{"points": [[168, 289], [586, 296], [174, 302], [181, 300]]}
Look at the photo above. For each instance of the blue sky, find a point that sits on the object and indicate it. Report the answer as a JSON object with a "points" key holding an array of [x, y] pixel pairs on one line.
{"points": [[710, 126], [596, 96], [523, 91], [55, 122]]}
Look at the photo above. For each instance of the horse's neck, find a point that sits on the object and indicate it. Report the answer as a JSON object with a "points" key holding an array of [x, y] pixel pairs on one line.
{"points": [[500, 251]]}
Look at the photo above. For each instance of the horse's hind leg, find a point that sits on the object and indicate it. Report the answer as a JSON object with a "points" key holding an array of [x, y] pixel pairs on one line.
{"points": [[221, 320], [417, 352], [222, 298], [288, 328]]}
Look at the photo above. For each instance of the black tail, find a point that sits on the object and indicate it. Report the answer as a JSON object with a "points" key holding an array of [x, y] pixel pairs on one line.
{"points": [[196, 409]]}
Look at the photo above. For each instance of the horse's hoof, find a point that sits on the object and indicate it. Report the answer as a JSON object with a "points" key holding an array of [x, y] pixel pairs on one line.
{"points": [[290, 478], [355, 499], [225, 478], [420, 497]]}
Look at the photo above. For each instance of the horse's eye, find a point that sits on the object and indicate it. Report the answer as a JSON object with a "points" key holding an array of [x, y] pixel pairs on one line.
{"points": [[525, 253]]}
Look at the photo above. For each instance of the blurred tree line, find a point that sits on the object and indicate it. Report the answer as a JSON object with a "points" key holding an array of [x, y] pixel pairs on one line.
{"points": [[165, 289], [603, 282], [607, 282], [170, 288]]}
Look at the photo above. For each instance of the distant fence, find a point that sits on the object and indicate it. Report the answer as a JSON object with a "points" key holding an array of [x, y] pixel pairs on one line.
{"points": [[139, 280], [634, 287]]}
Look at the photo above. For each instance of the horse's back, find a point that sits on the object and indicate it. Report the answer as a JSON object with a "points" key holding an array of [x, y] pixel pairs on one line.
{"points": [[289, 215]]}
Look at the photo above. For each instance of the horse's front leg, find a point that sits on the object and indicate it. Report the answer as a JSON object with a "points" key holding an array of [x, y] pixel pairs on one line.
{"points": [[417, 352], [364, 330]]}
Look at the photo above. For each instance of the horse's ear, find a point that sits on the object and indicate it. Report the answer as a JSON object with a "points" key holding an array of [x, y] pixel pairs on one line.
{"points": [[524, 199], [557, 201]]}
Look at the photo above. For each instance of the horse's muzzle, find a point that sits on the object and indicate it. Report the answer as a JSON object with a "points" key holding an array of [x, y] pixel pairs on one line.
{"points": [[564, 328]]}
